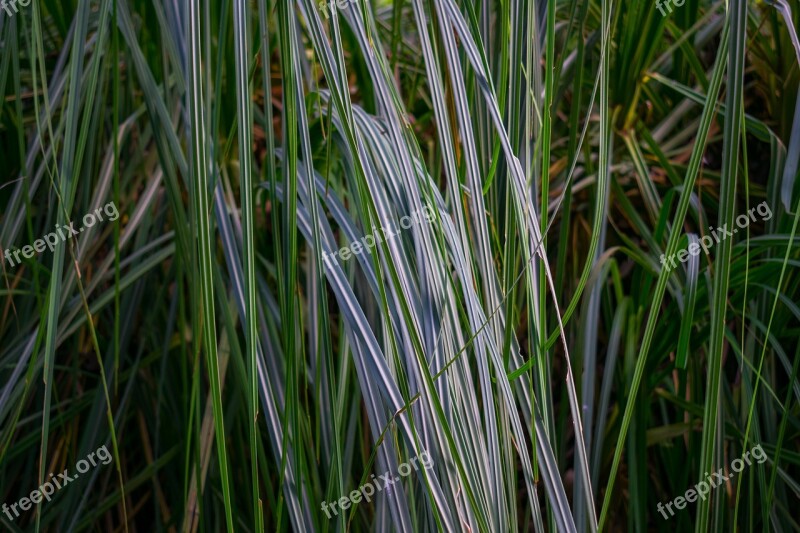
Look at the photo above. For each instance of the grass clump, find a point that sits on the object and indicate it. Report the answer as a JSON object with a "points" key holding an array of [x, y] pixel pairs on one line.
{"points": [[253, 356]]}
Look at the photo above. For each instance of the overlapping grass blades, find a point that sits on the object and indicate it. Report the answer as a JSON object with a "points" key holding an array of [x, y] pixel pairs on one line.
{"points": [[526, 337]]}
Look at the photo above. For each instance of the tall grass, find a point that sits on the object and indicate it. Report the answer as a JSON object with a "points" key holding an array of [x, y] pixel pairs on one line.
{"points": [[526, 336]]}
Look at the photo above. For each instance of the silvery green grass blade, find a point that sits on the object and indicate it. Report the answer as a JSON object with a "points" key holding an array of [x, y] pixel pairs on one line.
{"points": [[737, 16], [202, 212], [241, 35]]}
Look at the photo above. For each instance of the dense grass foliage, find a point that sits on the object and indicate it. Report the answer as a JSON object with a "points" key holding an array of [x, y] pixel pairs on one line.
{"points": [[413, 266]]}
